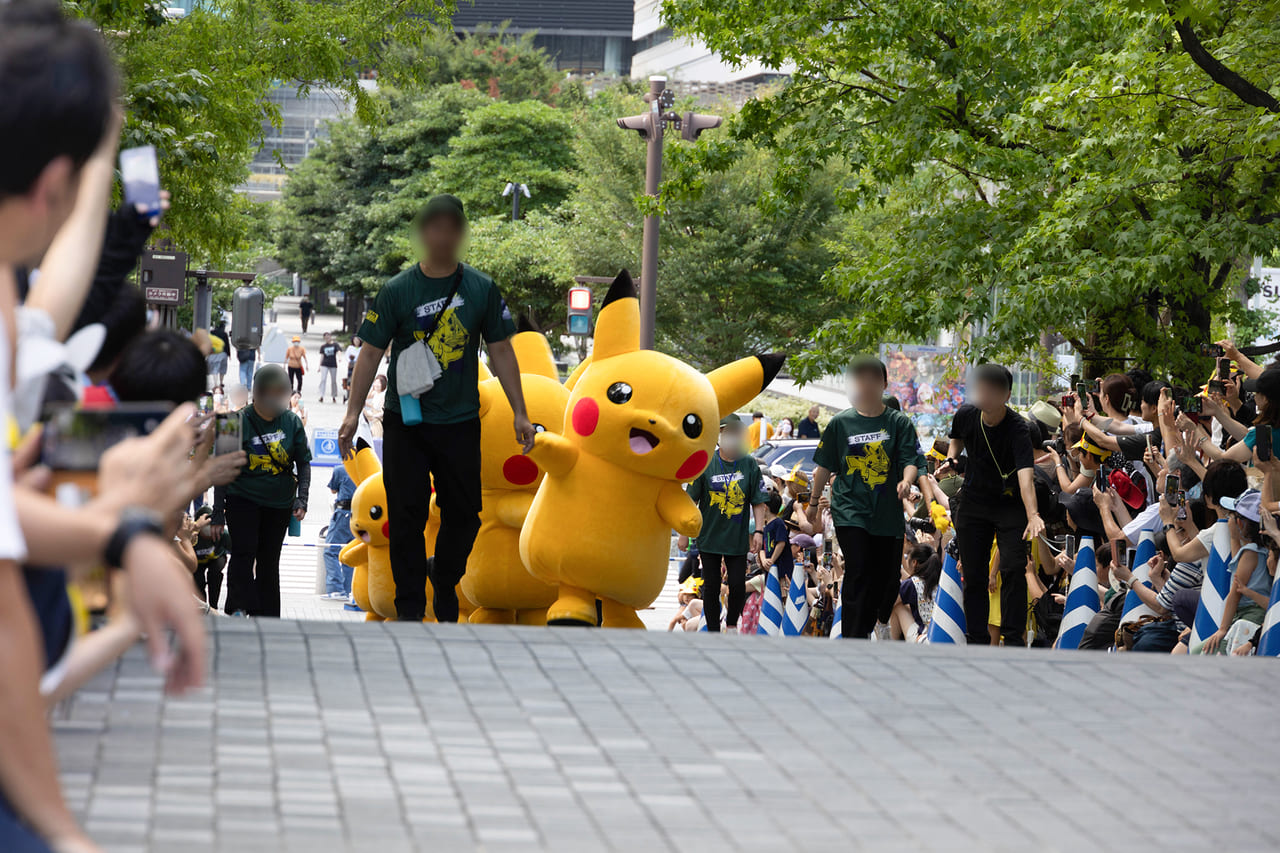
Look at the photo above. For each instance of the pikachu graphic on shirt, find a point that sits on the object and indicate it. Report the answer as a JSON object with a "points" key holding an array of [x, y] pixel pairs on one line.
{"points": [[731, 501], [639, 425]]}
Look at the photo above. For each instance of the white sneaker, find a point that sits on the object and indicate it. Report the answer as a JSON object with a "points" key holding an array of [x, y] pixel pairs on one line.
{"points": [[881, 632]]}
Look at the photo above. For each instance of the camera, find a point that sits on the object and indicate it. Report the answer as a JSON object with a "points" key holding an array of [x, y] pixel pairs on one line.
{"points": [[1212, 350], [922, 525]]}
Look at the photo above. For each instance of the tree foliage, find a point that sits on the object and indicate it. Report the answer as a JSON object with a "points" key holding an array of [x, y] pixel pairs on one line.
{"points": [[1100, 170]]}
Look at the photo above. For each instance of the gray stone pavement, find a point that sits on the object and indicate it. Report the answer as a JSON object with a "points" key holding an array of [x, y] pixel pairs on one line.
{"points": [[330, 736]]}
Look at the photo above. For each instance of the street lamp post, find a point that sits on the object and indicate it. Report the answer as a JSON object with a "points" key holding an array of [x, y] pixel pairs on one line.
{"points": [[652, 129], [515, 191]]}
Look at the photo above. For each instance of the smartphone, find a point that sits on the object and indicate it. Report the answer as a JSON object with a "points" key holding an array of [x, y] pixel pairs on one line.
{"points": [[1212, 350], [1130, 557], [1262, 439], [227, 437], [1082, 392], [1191, 405], [141, 175], [1224, 369], [1216, 387], [1068, 401], [1075, 379], [204, 405], [1172, 484], [74, 439], [1100, 481], [1070, 546], [1147, 436], [826, 552]]}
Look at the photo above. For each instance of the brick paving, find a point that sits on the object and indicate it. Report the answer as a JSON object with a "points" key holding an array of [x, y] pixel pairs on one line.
{"points": [[333, 736]]}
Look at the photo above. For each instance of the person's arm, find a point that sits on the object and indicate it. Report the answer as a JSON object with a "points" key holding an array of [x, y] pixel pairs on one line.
{"points": [[1184, 549], [1027, 487], [187, 554], [757, 537], [1247, 365], [1222, 414], [28, 768], [954, 449], [1101, 437], [1230, 604], [502, 358], [820, 477], [361, 381]]}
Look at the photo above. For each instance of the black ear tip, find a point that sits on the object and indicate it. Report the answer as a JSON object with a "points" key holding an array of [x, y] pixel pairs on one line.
{"points": [[361, 444], [771, 363], [525, 324], [621, 288]]}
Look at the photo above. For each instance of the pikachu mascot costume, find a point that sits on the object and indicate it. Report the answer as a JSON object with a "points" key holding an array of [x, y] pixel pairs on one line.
{"points": [[496, 580], [639, 425], [369, 553]]}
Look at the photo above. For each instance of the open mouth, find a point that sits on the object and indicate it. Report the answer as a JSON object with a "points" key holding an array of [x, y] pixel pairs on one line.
{"points": [[365, 537], [642, 441]]}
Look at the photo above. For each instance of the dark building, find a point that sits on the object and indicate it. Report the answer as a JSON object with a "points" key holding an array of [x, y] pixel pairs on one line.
{"points": [[583, 36]]}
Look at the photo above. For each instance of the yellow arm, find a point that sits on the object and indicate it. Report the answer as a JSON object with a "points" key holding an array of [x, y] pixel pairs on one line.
{"points": [[512, 508], [554, 453], [677, 510], [353, 553]]}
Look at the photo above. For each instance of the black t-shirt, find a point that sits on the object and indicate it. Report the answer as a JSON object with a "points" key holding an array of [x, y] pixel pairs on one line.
{"points": [[305, 307], [996, 454], [808, 429], [329, 355]]}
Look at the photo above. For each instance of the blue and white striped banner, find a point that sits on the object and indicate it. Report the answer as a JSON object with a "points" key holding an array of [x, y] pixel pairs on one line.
{"points": [[1269, 636], [797, 613], [1083, 601], [837, 621], [1213, 592], [948, 625], [771, 606], [1134, 609]]}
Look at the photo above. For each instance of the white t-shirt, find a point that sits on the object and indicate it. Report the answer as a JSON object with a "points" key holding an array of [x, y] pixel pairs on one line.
{"points": [[353, 352], [12, 545]]}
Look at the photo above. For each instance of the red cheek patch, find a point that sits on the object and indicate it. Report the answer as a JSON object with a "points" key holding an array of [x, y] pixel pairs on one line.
{"points": [[520, 470], [586, 416], [386, 530], [692, 466]]}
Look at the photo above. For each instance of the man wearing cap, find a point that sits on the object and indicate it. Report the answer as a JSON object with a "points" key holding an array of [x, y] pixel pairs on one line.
{"points": [[295, 358], [871, 456], [723, 492], [996, 503], [450, 306]]}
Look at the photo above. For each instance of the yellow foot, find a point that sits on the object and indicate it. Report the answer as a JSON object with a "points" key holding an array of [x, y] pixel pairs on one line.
{"points": [[531, 617], [620, 615], [373, 617], [573, 607], [491, 616]]}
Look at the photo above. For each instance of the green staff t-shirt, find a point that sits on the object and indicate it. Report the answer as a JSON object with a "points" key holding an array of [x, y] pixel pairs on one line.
{"points": [[208, 550], [402, 312], [723, 493], [866, 458], [273, 447]]}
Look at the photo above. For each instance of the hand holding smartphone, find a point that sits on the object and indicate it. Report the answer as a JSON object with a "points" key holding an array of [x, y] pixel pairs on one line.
{"points": [[140, 172]]}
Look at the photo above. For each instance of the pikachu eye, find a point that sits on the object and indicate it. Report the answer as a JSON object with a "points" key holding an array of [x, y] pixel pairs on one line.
{"points": [[692, 425], [619, 393], [375, 512]]}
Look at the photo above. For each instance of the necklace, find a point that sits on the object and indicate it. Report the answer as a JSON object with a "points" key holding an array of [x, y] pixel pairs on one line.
{"points": [[983, 427]]}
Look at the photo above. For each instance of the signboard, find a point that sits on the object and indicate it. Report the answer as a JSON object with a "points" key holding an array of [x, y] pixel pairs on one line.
{"points": [[929, 383], [324, 447], [163, 295]]}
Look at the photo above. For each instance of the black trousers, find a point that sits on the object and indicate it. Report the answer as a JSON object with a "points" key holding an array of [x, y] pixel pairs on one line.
{"points": [[295, 379], [736, 570], [872, 568], [209, 577], [450, 454], [978, 524], [253, 573]]}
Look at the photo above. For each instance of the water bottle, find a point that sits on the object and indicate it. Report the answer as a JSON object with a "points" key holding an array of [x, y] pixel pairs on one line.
{"points": [[410, 410], [295, 526]]}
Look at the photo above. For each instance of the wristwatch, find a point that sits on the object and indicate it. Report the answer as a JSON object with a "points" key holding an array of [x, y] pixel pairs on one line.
{"points": [[134, 521]]}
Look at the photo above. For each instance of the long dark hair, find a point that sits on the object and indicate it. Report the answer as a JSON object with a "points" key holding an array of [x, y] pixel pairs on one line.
{"points": [[928, 567]]}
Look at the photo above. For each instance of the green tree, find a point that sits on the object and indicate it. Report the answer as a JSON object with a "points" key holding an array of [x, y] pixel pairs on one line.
{"points": [[526, 142], [196, 87], [1102, 170]]}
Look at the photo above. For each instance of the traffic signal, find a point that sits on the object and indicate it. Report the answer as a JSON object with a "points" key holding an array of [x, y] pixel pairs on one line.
{"points": [[694, 123], [579, 310]]}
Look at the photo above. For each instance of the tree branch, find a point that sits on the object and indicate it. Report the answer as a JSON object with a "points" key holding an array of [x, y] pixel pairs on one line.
{"points": [[1221, 74]]}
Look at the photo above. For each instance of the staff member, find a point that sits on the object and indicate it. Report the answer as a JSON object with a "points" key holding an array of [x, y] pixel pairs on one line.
{"points": [[722, 493], [997, 502], [271, 489], [871, 455], [450, 306]]}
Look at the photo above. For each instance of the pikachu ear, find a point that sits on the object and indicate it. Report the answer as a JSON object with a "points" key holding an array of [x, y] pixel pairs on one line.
{"points": [[618, 326], [738, 382], [363, 464], [533, 354], [487, 390], [577, 373]]}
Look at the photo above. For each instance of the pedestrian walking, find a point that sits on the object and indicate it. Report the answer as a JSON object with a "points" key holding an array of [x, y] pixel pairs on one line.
{"points": [[295, 358], [329, 366], [247, 357], [305, 309]]}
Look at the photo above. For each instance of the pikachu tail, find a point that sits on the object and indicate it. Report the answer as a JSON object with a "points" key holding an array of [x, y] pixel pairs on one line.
{"points": [[739, 382]]}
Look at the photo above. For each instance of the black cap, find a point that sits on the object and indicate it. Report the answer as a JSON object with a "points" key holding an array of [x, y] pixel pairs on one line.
{"points": [[443, 205]]}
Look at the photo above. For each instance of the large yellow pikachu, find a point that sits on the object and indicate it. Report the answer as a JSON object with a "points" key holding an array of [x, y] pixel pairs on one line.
{"points": [[638, 425], [496, 579]]}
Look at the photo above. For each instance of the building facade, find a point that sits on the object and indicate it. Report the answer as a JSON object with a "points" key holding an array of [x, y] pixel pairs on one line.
{"points": [[581, 36], [659, 51]]}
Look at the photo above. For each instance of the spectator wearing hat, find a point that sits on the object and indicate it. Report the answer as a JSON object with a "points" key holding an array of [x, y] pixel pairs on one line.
{"points": [[871, 456], [729, 493], [437, 310], [295, 358], [997, 501], [1251, 581]]}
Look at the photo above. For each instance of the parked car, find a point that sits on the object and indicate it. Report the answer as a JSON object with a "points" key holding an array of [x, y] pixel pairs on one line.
{"points": [[787, 454]]}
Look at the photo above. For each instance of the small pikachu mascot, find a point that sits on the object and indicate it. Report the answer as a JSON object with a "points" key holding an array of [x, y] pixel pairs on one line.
{"points": [[496, 579], [639, 425], [369, 554]]}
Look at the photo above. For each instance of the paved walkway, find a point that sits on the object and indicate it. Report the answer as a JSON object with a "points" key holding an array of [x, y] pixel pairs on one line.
{"points": [[323, 737]]}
